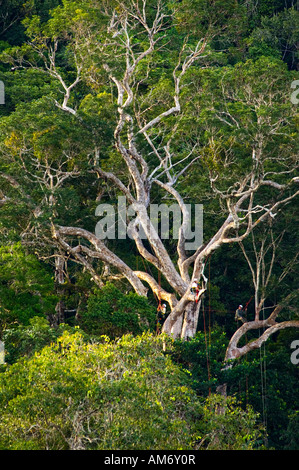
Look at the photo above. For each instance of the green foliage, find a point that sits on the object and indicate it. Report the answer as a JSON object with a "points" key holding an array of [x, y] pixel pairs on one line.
{"points": [[291, 434], [271, 7], [203, 357], [109, 395], [14, 11], [204, 16], [115, 392], [228, 427], [266, 381], [277, 36], [26, 287], [25, 340], [110, 311]]}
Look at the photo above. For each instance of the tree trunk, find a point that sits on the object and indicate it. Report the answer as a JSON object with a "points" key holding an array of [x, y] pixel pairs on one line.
{"points": [[59, 280], [182, 321], [190, 322]]}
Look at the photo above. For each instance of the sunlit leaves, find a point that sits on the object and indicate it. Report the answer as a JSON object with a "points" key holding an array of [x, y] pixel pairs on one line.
{"points": [[126, 394]]}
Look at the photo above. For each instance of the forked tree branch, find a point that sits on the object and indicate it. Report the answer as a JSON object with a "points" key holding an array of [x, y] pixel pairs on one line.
{"points": [[270, 325]]}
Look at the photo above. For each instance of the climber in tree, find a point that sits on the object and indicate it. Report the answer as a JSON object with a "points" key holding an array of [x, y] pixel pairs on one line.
{"points": [[241, 314], [161, 312], [195, 287]]}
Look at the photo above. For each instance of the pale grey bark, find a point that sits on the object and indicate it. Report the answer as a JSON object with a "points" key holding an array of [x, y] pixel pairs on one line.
{"points": [[242, 214], [269, 325]]}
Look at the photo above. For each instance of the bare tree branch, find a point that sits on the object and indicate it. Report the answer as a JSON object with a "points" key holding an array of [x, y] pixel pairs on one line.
{"points": [[270, 325], [101, 252]]}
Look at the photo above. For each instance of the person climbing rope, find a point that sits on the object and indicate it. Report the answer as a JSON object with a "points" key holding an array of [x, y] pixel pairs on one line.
{"points": [[241, 314]]}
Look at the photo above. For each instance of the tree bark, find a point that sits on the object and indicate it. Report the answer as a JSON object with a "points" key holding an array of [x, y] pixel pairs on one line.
{"points": [[270, 325], [163, 168]]}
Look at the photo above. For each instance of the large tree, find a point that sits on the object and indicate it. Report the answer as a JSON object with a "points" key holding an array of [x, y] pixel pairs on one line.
{"points": [[168, 114]]}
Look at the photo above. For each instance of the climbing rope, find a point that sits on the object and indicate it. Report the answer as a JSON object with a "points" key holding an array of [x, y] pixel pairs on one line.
{"points": [[246, 305], [210, 300], [159, 290], [263, 371], [206, 343], [157, 297]]}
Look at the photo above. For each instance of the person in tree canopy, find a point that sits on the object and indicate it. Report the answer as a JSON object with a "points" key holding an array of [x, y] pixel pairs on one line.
{"points": [[161, 311], [241, 314], [194, 286]]}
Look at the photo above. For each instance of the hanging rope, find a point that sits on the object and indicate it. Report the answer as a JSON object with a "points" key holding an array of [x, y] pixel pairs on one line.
{"points": [[210, 301], [207, 349], [246, 305], [159, 291], [263, 371], [161, 309], [208, 343], [157, 297], [197, 293]]}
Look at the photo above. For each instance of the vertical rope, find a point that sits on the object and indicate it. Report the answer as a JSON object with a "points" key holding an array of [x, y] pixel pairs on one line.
{"points": [[209, 301], [159, 292], [207, 352], [246, 390], [208, 344], [263, 372]]}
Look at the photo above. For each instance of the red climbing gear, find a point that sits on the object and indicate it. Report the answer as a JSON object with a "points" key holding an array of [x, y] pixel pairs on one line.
{"points": [[195, 289]]}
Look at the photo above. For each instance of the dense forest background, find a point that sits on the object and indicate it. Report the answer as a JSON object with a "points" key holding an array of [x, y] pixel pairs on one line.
{"points": [[84, 365]]}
